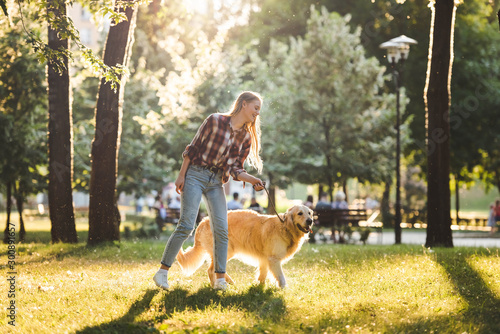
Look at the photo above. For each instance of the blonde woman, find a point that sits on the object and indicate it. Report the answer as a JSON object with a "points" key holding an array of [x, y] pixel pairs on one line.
{"points": [[219, 149]]}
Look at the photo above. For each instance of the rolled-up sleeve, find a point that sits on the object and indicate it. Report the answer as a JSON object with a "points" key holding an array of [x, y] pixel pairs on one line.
{"points": [[204, 130], [237, 167]]}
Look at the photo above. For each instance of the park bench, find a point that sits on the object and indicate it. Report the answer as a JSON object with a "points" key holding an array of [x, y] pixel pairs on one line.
{"points": [[470, 223], [341, 221], [172, 217], [148, 226]]}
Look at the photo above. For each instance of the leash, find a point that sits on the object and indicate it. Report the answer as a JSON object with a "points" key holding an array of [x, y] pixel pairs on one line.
{"points": [[272, 203]]}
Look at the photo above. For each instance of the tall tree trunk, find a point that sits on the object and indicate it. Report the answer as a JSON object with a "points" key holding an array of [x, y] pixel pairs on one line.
{"points": [[9, 210], [330, 186], [497, 174], [437, 95], [321, 191], [328, 157], [60, 138], [385, 208], [20, 204], [344, 189], [103, 208], [457, 197]]}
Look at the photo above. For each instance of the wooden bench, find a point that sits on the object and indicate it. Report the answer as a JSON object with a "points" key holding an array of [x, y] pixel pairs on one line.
{"points": [[341, 220], [172, 217]]}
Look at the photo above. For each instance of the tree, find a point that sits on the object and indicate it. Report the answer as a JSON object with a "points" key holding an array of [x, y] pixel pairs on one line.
{"points": [[63, 25], [22, 121], [473, 107], [338, 100], [437, 96], [60, 135], [104, 217]]}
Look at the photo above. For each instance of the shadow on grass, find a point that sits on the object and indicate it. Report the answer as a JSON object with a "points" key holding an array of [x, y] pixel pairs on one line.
{"points": [[257, 299], [44, 237], [61, 251], [261, 302], [127, 324], [482, 304], [481, 312]]}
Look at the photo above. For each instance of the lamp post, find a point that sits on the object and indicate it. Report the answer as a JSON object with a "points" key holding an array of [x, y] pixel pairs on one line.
{"points": [[397, 52]]}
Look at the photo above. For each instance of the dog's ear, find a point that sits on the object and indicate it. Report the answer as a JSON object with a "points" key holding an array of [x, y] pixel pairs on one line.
{"points": [[287, 215]]}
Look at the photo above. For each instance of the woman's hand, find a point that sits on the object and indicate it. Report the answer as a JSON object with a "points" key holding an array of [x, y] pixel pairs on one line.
{"points": [[179, 183], [258, 185], [181, 178]]}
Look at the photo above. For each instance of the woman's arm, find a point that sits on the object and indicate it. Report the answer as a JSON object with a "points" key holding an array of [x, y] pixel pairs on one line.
{"points": [[257, 183], [179, 183]]}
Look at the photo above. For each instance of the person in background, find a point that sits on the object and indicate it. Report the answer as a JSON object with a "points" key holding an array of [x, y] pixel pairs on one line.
{"points": [[151, 202], [234, 204], [218, 150], [161, 212], [491, 219], [323, 202], [139, 204], [309, 202], [497, 217], [175, 203], [254, 205], [339, 202]]}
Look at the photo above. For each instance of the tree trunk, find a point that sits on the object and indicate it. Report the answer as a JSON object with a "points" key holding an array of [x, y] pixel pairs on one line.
{"points": [[344, 189], [320, 191], [497, 178], [9, 209], [385, 208], [20, 204], [328, 157], [457, 197], [103, 208], [60, 139], [437, 100]]}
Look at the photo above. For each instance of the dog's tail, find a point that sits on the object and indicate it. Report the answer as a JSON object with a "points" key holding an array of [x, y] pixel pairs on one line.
{"points": [[191, 259]]}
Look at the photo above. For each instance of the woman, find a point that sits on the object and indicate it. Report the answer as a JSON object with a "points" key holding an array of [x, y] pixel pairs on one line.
{"points": [[219, 149]]}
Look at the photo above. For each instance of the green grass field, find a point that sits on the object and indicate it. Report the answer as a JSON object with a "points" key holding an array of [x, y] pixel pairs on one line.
{"points": [[331, 289]]}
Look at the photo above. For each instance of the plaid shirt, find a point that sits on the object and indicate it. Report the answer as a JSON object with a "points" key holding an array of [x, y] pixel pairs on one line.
{"points": [[217, 144]]}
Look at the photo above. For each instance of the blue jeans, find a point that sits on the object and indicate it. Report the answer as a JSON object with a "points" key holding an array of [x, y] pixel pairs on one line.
{"points": [[201, 182]]}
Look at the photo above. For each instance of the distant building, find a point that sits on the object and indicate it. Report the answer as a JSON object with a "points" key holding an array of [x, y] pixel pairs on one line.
{"points": [[90, 31]]}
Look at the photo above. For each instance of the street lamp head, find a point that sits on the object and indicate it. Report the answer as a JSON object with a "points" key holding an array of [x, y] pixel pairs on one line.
{"points": [[398, 48], [393, 51], [404, 39]]}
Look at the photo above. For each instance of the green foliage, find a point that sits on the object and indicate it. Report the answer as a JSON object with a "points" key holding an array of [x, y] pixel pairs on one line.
{"points": [[66, 30], [475, 81], [22, 115], [331, 122]]}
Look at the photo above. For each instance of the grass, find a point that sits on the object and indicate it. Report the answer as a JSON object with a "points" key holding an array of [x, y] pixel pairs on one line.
{"points": [[331, 289]]}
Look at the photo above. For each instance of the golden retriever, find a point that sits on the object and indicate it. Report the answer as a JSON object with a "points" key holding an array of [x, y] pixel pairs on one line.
{"points": [[256, 239]]}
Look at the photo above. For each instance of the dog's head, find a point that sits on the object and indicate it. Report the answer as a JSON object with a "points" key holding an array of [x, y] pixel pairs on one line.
{"points": [[301, 217]]}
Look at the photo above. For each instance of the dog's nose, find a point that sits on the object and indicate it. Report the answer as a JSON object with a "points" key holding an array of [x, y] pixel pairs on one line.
{"points": [[309, 221]]}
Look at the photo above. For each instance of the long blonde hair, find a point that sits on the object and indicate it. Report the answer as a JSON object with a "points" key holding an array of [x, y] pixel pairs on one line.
{"points": [[254, 158]]}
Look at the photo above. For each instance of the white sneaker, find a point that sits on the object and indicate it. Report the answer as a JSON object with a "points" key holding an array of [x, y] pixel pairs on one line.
{"points": [[161, 279], [220, 284]]}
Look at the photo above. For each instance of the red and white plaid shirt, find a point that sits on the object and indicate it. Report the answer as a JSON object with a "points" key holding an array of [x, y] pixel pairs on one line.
{"points": [[217, 144]]}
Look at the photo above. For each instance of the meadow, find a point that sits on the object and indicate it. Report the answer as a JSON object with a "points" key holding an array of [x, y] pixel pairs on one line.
{"points": [[63, 288]]}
